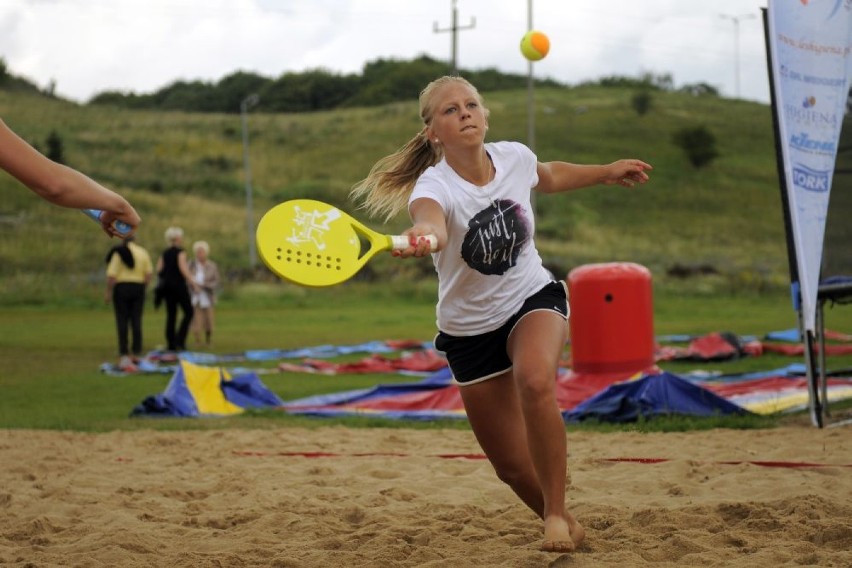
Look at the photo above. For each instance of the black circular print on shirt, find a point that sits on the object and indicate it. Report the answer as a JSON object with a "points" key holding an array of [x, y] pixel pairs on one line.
{"points": [[495, 237]]}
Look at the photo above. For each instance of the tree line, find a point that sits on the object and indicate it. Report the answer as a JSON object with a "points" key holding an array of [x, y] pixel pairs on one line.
{"points": [[381, 82]]}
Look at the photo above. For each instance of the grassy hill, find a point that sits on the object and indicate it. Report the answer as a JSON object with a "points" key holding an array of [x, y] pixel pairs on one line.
{"points": [[187, 169]]}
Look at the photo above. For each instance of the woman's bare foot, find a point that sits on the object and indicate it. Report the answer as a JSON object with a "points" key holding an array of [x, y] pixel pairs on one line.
{"points": [[578, 533], [557, 535], [562, 535]]}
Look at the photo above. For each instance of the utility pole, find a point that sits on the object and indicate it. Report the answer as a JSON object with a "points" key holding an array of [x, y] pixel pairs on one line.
{"points": [[530, 100], [245, 105], [530, 87], [454, 28], [736, 20]]}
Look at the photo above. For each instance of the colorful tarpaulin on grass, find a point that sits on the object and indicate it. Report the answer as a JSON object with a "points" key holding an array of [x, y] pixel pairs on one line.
{"points": [[614, 397], [196, 391], [778, 390], [165, 362], [580, 396], [412, 357]]}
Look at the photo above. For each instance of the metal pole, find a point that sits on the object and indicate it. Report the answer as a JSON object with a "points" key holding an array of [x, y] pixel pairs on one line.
{"points": [[455, 41], [247, 103], [530, 101], [530, 88], [736, 20]]}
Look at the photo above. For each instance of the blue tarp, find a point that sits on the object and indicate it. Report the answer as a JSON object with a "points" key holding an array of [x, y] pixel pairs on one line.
{"points": [[652, 395], [207, 391]]}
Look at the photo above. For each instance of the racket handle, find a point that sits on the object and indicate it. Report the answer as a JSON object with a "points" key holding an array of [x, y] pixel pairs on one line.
{"points": [[120, 226], [402, 242]]}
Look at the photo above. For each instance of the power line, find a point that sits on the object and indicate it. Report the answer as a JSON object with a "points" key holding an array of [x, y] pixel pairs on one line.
{"points": [[455, 28]]}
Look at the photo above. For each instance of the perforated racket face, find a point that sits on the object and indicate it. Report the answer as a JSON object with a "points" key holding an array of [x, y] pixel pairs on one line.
{"points": [[310, 243]]}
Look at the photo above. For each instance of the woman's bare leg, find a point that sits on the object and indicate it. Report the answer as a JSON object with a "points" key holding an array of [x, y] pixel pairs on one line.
{"points": [[494, 413], [534, 347]]}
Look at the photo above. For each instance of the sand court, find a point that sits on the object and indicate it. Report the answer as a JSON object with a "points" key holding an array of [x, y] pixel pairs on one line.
{"points": [[395, 497]]}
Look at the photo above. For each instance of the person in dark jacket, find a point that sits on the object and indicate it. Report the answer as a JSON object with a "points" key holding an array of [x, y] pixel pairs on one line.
{"points": [[173, 288]]}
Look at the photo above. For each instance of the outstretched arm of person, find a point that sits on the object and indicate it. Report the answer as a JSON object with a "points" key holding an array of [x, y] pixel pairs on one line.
{"points": [[62, 185], [428, 219], [554, 177]]}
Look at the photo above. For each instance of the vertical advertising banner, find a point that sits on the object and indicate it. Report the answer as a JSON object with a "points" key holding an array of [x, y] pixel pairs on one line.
{"points": [[809, 42]]}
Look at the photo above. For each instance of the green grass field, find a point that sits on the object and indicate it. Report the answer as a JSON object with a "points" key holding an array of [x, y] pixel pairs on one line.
{"points": [[51, 355]]}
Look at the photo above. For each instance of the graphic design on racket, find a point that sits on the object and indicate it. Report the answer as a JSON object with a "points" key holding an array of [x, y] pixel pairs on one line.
{"points": [[312, 243]]}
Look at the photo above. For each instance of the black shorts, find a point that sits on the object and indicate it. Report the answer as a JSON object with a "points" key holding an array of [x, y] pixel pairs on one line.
{"points": [[475, 358]]}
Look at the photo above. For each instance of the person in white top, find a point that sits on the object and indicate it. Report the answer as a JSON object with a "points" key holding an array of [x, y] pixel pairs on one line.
{"points": [[500, 316], [205, 273]]}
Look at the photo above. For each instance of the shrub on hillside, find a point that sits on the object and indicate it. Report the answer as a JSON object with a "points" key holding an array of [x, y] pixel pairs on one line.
{"points": [[641, 102], [698, 143], [55, 149]]}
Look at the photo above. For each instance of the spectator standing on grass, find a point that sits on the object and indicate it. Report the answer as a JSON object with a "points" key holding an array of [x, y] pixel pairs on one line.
{"points": [[129, 270], [205, 273], [173, 288]]}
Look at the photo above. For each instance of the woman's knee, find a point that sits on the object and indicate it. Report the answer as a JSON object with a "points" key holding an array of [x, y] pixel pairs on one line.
{"points": [[536, 385], [514, 473]]}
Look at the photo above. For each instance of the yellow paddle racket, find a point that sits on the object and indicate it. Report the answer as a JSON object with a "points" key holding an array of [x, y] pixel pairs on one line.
{"points": [[312, 243]]}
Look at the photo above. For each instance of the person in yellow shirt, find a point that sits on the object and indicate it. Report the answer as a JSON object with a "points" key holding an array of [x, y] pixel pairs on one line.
{"points": [[129, 270]]}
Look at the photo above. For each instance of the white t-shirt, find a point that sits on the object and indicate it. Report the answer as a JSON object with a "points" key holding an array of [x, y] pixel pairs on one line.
{"points": [[490, 264], [200, 298]]}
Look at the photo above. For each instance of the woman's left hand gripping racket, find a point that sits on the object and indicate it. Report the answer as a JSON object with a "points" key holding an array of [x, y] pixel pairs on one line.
{"points": [[312, 243]]}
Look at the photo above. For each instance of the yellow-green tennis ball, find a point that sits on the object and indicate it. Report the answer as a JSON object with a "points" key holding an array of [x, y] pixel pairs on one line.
{"points": [[535, 45]]}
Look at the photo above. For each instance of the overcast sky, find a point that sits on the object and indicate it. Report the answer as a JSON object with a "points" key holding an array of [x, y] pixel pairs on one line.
{"points": [[89, 46]]}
